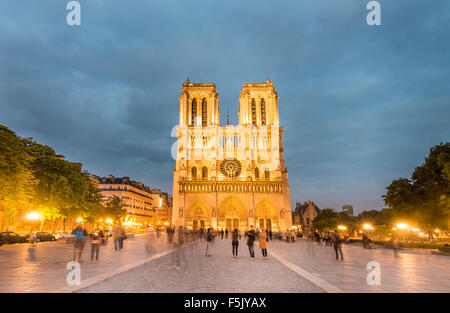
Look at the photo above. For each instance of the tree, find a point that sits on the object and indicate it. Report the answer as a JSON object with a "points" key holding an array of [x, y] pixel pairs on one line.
{"points": [[114, 209], [424, 197], [326, 220], [16, 178]]}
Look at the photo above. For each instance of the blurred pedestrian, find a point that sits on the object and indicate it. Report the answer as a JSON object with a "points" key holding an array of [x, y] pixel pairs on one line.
{"points": [[226, 233], [80, 240], [235, 242], [209, 242], [118, 236], [95, 245], [337, 244]]}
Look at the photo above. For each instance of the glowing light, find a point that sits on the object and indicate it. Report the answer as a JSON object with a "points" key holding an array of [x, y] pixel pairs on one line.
{"points": [[436, 230], [421, 234], [80, 219], [367, 226], [342, 227], [101, 220], [402, 226], [166, 223], [33, 216], [160, 202], [108, 220], [393, 228], [415, 229]]}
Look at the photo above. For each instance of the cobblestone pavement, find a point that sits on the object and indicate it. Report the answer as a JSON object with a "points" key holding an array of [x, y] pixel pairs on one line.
{"points": [[188, 270], [221, 273], [200, 274], [47, 273], [408, 272]]}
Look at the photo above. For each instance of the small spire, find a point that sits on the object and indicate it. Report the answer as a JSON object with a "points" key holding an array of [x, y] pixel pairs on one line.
{"points": [[187, 81], [228, 117], [268, 80]]}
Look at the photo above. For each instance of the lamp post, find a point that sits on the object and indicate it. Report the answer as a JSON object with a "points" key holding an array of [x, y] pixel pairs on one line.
{"points": [[32, 217]]}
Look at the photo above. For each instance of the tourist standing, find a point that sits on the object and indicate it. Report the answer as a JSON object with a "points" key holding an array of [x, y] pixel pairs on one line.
{"points": [[226, 233], [337, 244], [235, 242], [118, 236], [263, 243], [250, 239]]}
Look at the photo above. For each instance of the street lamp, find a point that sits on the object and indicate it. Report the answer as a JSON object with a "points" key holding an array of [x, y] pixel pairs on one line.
{"points": [[342, 227], [367, 226], [80, 219], [32, 217], [402, 226], [109, 221]]}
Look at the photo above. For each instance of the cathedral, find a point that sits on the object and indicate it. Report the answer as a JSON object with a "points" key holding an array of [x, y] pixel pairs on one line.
{"points": [[230, 176]]}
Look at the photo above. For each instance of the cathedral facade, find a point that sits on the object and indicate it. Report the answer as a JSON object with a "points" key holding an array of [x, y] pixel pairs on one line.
{"points": [[225, 176]]}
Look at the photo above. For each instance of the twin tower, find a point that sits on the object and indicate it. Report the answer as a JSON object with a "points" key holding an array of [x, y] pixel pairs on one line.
{"points": [[229, 177]]}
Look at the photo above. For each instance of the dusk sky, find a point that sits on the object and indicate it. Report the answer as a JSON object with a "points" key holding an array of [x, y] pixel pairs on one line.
{"points": [[361, 105]]}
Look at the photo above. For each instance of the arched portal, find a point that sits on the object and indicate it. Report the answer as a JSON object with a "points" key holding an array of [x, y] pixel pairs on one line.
{"points": [[198, 216], [232, 214], [266, 215]]}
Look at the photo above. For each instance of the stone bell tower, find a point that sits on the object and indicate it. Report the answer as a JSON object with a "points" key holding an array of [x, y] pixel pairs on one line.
{"points": [[199, 105]]}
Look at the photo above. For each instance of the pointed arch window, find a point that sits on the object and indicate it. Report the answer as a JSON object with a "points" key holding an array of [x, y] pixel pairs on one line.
{"points": [[253, 112], [204, 112], [263, 112], [257, 173], [204, 173], [193, 112], [266, 174], [194, 173]]}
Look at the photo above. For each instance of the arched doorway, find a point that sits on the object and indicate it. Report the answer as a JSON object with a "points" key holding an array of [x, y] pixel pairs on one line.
{"points": [[266, 215], [197, 216], [232, 214]]}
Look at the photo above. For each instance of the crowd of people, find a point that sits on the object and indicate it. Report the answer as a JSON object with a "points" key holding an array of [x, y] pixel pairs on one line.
{"points": [[178, 236]]}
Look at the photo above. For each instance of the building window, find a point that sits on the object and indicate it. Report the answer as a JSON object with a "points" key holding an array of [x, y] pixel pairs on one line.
{"points": [[253, 112], [263, 112], [194, 173], [257, 173], [204, 113], [205, 172], [194, 111], [267, 174]]}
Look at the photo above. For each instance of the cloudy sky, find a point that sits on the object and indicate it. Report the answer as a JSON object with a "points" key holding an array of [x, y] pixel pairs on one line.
{"points": [[361, 105]]}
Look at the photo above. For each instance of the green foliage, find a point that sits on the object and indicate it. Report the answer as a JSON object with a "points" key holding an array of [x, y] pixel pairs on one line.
{"points": [[424, 197], [326, 220], [33, 177], [16, 178], [114, 209]]}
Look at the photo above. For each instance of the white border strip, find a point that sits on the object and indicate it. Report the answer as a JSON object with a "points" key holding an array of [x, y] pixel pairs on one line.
{"points": [[327, 287]]}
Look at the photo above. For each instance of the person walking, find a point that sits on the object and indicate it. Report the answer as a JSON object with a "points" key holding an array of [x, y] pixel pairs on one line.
{"points": [[226, 233], [250, 239], [95, 245], [118, 236], [263, 243], [209, 241], [235, 242], [337, 245], [221, 234], [240, 235]]}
